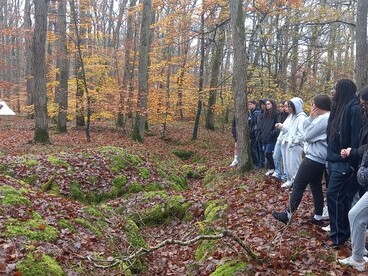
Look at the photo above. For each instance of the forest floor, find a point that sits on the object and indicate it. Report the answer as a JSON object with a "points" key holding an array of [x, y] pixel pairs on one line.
{"points": [[243, 204]]}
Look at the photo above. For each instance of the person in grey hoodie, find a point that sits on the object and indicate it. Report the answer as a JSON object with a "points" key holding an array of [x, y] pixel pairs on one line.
{"points": [[292, 143], [313, 165]]}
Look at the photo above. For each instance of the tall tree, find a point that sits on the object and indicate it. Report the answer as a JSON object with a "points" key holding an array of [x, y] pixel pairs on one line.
{"points": [[217, 56], [62, 64], [361, 58], [141, 113], [28, 54], [41, 133], [239, 81]]}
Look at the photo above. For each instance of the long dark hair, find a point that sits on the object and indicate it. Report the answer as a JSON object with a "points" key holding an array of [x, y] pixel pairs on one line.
{"points": [[272, 112], [345, 90], [363, 95]]}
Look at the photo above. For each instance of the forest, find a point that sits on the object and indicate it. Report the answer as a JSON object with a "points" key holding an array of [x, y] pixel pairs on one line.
{"points": [[117, 160]]}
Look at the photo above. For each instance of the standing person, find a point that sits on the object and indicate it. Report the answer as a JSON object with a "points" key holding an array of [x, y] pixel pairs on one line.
{"points": [[313, 165], [270, 133], [233, 132], [292, 143], [277, 156], [260, 119], [253, 112], [363, 134], [342, 132], [358, 215]]}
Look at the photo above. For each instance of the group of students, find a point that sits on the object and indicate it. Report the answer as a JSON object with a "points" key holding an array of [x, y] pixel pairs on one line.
{"points": [[330, 143]]}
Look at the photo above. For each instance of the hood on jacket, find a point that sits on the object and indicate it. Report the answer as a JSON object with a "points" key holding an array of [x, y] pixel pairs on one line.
{"points": [[298, 103], [262, 101]]}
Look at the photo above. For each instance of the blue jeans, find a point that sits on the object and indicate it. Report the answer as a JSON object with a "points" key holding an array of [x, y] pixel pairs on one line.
{"points": [[277, 159], [268, 150], [342, 187], [261, 155]]}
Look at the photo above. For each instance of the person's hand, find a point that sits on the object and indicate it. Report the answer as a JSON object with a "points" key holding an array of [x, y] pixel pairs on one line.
{"points": [[345, 152], [278, 125], [314, 111]]}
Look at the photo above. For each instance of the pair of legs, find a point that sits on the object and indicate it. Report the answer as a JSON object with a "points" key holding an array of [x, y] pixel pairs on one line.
{"points": [[268, 149], [291, 158], [254, 151], [358, 218], [261, 154], [310, 172], [277, 158], [342, 187]]}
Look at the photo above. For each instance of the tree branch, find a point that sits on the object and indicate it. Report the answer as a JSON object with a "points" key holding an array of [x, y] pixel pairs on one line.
{"points": [[145, 251]]}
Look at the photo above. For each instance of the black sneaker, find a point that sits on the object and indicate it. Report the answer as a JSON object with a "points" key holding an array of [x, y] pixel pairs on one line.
{"points": [[281, 216], [314, 221]]}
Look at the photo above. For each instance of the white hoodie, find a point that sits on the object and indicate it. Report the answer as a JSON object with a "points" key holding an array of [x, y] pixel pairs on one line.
{"points": [[294, 129]]}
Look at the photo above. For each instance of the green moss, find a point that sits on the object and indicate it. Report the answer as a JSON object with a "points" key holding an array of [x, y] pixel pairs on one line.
{"points": [[230, 268], [40, 265], [124, 269], [92, 211], [120, 159], [55, 161], [50, 185], [88, 225], [210, 177], [34, 229], [193, 171], [66, 224], [31, 162], [31, 180], [135, 188], [132, 234], [205, 248], [213, 209], [178, 183], [118, 186], [76, 191], [11, 196], [183, 154], [144, 173], [171, 208], [154, 187]]}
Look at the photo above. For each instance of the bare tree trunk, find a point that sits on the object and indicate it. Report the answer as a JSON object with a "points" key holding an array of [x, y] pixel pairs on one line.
{"points": [[239, 81], [127, 80], [200, 84], [361, 59], [28, 55], [41, 133], [63, 65], [141, 113], [215, 71]]}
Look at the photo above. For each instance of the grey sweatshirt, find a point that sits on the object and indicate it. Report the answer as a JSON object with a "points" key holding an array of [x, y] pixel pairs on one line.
{"points": [[315, 136]]}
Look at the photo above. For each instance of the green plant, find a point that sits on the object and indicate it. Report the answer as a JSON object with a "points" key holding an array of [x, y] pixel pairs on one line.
{"points": [[183, 154], [40, 265]]}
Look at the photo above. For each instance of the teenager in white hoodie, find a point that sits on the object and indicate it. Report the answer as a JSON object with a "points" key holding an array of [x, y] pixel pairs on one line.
{"points": [[313, 165], [292, 143]]}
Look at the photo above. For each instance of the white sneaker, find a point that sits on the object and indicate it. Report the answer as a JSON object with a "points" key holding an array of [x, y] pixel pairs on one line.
{"points": [[234, 163], [325, 213], [269, 172], [275, 175], [350, 261], [365, 252], [327, 228], [287, 184]]}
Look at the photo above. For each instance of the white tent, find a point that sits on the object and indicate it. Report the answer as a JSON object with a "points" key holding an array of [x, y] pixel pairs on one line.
{"points": [[5, 109]]}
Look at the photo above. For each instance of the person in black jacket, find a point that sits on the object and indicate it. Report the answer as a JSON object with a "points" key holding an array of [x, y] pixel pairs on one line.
{"points": [[269, 133], [342, 132], [258, 129]]}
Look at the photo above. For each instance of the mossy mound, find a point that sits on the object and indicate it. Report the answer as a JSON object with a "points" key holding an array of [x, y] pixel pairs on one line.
{"points": [[34, 228], [194, 171], [92, 176], [214, 209], [11, 196], [39, 265], [230, 268], [159, 208], [183, 154]]}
